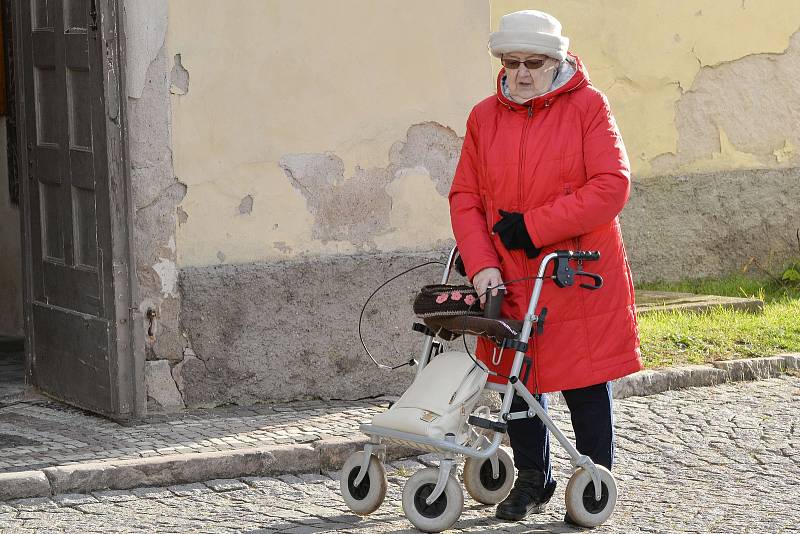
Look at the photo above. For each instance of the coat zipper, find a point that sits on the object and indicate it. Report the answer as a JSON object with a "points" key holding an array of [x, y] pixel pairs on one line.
{"points": [[522, 155], [522, 252]]}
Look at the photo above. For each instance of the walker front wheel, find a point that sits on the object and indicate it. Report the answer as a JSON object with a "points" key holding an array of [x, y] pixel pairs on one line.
{"points": [[441, 513], [580, 499], [369, 494], [480, 482]]}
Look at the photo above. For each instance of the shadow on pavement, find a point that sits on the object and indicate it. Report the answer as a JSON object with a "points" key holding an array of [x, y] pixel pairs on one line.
{"points": [[12, 369]]}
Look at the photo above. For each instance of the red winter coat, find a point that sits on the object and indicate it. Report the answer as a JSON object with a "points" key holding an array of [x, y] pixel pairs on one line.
{"points": [[559, 159]]}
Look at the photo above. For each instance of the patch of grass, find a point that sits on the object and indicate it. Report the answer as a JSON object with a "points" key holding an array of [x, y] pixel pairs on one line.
{"points": [[680, 338]]}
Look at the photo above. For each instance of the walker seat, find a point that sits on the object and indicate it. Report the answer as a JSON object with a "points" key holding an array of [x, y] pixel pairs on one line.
{"points": [[440, 400], [451, 327]]}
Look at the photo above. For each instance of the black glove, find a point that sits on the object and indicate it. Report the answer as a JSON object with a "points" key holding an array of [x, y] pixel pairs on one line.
{"points": [[514, 235]]}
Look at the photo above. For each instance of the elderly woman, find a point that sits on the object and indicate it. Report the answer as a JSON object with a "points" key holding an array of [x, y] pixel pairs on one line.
{"points": [[542, 168]]}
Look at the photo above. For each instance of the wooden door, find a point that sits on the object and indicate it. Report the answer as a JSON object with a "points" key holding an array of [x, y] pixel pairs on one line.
{"points": [[77, 255]]}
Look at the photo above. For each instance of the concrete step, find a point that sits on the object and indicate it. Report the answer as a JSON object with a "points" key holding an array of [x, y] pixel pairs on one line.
{"points": [[651, 301]]}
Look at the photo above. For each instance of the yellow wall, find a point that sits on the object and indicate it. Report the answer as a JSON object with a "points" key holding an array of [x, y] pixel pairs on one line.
{"points": [[281, 77], [285, 91], [646, 55]]}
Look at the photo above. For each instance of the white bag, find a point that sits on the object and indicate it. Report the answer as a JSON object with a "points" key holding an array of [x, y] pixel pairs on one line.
{"points": [[440, 399]]}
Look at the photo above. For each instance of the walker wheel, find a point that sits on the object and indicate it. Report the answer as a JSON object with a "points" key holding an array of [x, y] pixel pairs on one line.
{"points": [[579, 498], [367, 496], [439, 515], [480, 482]]}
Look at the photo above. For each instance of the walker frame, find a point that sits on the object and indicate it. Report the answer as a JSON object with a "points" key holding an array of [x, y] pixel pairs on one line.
{"points": [[481, 447]]}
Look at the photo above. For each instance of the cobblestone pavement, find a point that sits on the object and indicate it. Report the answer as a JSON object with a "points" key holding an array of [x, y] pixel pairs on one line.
{"points": [[42, 433], [721, 459]]}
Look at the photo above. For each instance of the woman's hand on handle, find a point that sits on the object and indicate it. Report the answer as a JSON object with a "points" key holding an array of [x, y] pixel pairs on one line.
{"points": [[489, 277]]}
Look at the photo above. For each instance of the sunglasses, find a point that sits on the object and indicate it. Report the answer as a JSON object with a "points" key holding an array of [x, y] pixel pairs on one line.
{"points": [[530, 64]]}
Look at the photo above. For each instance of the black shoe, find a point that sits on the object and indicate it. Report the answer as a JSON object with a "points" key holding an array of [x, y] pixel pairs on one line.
{"points": [[528, 496]]}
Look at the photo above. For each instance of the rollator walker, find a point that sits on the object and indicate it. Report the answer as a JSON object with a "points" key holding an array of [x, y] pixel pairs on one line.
{"points": [[433, 415]]}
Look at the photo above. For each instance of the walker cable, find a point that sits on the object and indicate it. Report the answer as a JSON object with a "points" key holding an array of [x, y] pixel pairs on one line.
{"points": [[364, 307]]}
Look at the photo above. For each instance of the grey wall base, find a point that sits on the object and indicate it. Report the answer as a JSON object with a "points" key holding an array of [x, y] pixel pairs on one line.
{"points": [[706, 225], [288, 330]]}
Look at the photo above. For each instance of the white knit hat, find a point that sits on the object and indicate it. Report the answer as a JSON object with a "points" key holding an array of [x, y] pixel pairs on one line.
{"points": [[529, 31]]}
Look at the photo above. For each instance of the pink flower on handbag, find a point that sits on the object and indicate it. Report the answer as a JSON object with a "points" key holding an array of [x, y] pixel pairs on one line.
{"points": [[455, 295], [469, 300], [441, 299]]}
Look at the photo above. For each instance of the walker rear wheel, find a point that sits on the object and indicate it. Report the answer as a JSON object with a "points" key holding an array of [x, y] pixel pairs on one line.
{"points": [[441, 513], [580, 500], [369, 494], [480, 482]]}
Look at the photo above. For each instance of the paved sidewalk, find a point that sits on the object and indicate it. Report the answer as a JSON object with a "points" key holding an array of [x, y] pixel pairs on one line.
{"points": [[48, 448], [43, 433], [721, 459]]}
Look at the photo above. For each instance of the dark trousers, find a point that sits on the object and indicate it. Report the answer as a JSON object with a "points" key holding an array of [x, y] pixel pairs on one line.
{"points": [[590, 409]]}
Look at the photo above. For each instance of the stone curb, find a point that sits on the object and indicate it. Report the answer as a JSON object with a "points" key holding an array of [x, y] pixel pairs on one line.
{"points": [[652, 382], [175, 469], [23, 484], [328, 454]]}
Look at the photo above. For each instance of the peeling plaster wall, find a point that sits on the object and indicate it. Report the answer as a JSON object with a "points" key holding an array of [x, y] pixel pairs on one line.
{"points": [[376, 209], [649, 56], [314, 144], [742, 114], [334, 132], [11, 323], [335, 154], [156, 193], [331, 115], [145, 29]]}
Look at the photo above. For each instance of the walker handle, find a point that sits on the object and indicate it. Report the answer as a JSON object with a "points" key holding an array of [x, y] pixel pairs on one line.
{"points": [[564, 275], [583, 255]]}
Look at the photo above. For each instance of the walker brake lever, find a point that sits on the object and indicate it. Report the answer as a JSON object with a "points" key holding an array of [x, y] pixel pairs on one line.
{"points": [[563, 274], [596, 278]]}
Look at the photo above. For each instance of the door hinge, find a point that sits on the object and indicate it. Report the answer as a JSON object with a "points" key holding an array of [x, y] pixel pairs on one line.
{"points": [[93, 16]]}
